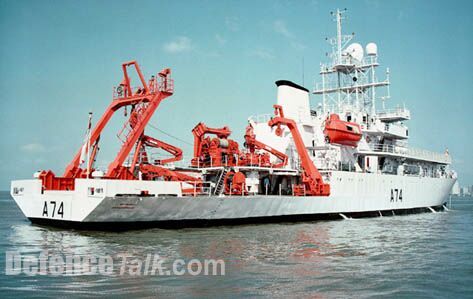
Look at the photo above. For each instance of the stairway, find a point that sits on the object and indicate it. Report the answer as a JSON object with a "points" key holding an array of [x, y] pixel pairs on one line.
{"points": [[219, 186]]}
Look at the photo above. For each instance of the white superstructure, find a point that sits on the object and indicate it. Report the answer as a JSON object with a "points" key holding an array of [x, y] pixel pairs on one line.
{"points": [[350, 87]]}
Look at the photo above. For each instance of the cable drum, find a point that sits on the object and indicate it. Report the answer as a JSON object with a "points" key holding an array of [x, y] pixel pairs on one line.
{"points": [[223, 143]]}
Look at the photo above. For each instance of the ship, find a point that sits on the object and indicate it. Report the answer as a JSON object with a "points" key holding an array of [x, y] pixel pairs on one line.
{"points": [[346, 157]]}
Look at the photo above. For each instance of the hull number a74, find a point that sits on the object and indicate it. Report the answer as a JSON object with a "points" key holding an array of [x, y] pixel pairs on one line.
{"points": [[53, 209], [396, 195]]}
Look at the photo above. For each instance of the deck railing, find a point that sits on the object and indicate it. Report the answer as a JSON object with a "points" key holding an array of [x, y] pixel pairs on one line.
{"points": [[428, 155], [160, 84], [260, 118], [396, 112], [413, 153], [186, 162]]}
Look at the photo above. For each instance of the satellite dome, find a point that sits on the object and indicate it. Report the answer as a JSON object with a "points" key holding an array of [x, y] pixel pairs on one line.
{"points": [[355, 50], [372, 49]]}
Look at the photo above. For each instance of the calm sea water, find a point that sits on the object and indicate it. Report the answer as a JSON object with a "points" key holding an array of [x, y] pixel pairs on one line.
{"points": [[421, 255]]}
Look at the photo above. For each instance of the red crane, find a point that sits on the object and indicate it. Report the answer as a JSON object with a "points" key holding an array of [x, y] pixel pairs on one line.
{"points": [[148, 141], [152, 169], [216, 151], [312, 181], [144, 101], [252, 144]]}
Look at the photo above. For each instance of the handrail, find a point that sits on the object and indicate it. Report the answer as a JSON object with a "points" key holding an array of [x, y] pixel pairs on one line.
{"points": [[260, 118], [392, 110], [186, 162], [395, 112], [161, 85], [410, 152]]}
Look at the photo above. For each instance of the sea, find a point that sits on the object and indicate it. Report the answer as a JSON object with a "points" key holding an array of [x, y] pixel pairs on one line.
{"points": [[428, 255]]}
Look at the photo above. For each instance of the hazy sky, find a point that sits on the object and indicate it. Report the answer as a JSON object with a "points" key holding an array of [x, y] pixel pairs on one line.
{"points": [[60, 59]]}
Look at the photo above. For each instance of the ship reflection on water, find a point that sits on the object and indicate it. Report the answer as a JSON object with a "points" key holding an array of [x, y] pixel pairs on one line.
{"points": [[383, 255]]}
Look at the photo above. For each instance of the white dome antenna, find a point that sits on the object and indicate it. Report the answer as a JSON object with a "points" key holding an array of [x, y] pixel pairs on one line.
{"points": [[372, 49]]}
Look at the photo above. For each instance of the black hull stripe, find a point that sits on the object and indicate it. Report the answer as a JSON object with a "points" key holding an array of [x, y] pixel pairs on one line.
{"points": [[176, 224]]}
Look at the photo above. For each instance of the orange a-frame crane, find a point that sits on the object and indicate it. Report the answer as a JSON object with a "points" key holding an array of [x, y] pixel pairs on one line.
{"points": [[312, 181], [144, 101]]}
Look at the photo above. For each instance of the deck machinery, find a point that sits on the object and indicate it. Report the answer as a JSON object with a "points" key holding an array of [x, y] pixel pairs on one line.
{"points": [[217, 161]]}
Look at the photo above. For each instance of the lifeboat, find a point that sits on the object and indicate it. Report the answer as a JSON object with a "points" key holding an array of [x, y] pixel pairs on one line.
{"points": [[341, 132]]}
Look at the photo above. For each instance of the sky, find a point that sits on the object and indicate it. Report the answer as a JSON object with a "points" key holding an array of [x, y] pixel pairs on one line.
{"points": [[60, 59]]}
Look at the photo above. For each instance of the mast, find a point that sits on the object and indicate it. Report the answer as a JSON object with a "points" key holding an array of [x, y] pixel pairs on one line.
{"points": [[349, 80], [373, 91], [339, 54], [339, 36]]}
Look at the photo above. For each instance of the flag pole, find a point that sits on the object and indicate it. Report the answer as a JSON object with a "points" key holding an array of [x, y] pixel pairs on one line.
{"points": [[88, 144]]}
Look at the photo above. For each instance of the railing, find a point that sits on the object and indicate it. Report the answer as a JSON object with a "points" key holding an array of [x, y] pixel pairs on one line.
{"points": [[347, 60], [428, 155], [387, 148], [319, 86], [393, 113], [209, 163], [334, 108], [260, 118], [414, 153], [185, 162], [161, 84], [204, 190]]}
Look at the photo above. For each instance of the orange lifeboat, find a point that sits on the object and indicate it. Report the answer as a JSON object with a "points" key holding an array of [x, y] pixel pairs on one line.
{"points": [[341, 132]]}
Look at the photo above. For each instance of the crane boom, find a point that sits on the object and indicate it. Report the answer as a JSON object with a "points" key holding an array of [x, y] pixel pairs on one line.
{"points": [[173, 150], [312, 180]]}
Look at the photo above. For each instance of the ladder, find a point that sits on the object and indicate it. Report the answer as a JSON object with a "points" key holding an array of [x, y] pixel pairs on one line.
{"points": [[219, 186]]}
